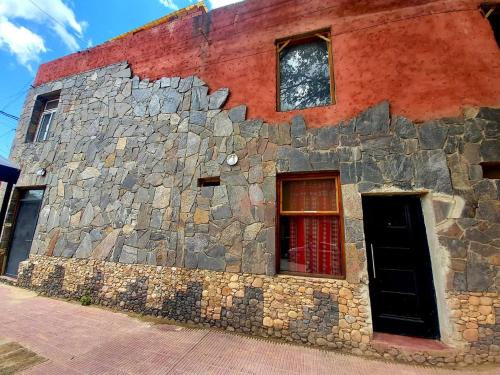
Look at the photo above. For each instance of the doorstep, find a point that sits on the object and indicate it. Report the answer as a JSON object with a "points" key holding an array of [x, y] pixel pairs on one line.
{"points": [[410, 345]]}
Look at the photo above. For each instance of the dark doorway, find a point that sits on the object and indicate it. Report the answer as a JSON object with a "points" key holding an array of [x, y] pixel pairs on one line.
{"points": [[24, 229], [402, 293], [492, 14]]}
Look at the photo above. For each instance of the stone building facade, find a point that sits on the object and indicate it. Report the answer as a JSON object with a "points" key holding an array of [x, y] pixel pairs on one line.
{"points": [[126, 219]]}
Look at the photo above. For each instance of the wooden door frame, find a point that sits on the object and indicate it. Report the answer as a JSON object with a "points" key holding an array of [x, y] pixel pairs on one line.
{"points": [[280, 177], [19, 190], [424, 239]]}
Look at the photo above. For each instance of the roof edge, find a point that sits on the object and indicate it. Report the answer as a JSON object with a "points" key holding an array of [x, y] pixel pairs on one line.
{"points": [[169, 17]]}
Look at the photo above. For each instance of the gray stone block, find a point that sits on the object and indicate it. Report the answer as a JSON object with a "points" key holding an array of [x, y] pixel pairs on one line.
{"points": [[492, 130], [223, 126], [371, 172], [374, 121], [185, 84], [221, 212], [218, 98], [128, 255], [250, 128], [431, 171], [491, 114], [199, 98], [490, 150], [472, 131], [208, 263], [238, 114], [298, 161], [457, 248], [324, 160], [216, 251], [171, 101], [349, 173], [327, 138], [432, 135], [397, 167], [233, 178], [404, 128], [354, 230], [191, 260], [298, 128], [154, 105], [197, 243], [198, 118], [480, 276]]}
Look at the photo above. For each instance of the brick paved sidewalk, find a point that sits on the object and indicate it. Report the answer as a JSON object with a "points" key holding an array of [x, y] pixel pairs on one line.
{"points": [[89, 340]]}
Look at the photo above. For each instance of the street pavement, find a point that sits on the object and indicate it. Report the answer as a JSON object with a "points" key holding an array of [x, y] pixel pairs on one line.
{"points": [[59, 337]]}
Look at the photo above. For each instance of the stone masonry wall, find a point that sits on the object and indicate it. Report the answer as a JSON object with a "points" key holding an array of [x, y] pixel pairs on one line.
{"points": [[124, 155]]}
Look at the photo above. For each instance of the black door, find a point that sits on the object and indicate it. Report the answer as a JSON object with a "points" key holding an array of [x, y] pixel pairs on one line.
{"points": [[24, 229], [401, 287]]}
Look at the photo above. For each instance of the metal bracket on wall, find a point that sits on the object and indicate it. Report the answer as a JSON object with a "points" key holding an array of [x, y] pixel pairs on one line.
{"points": [[490, 11], [282, 46]]}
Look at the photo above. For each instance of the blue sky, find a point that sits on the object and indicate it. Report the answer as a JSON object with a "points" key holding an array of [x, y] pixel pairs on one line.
{"points": [[36, 31]]}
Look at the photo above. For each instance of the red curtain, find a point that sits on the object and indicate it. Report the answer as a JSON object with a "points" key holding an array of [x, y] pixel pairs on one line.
{"points": [[314, 245], [314, 240]]}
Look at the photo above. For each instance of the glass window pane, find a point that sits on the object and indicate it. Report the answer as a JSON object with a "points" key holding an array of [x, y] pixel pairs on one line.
{"points": [[44, 126], [310, 244], [304, 76], [33, 194], [51, 104], [309, 195]]}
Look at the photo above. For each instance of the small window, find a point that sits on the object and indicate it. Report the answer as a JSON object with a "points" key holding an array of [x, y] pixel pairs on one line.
{"points": [[492, 14], [209, 181], [304, 72], [310, 225], [491, 170], [42, 117]]}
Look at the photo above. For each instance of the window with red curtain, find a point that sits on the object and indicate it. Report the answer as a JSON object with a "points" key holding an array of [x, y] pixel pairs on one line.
{"points": [[310, 225]]}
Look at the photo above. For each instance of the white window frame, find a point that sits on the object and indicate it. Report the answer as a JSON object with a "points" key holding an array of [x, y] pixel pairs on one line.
{"points": [[51, 112]]}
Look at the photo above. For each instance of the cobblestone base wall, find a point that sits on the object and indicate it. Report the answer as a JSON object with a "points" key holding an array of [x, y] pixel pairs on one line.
{"points": [[320, 312]]}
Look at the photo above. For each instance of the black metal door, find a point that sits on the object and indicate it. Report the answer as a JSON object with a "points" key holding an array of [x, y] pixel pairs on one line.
{"points": [[401, 285], [24, 229]]}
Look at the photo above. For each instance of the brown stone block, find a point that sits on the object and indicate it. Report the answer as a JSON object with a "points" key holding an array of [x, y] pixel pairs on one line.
{"points": [[495, 260], [470, 334], [200, 216], [458, 265], [474, 300], [453, 231], [52, 243], [353, 264], [110, 160]]}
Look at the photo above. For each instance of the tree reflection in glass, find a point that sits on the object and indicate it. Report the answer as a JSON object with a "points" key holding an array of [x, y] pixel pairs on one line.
{"points": [[304, 76]]}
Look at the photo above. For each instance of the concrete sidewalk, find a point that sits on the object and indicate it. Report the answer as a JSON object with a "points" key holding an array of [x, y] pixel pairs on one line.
{"points": [[88, 340]]}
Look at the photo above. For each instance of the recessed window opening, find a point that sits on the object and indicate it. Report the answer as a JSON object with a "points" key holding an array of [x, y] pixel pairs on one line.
{"points": [[46, 120], [304, 71], [42, 117], [491, 12], [310, 225], [491, 170], [209, 181]]}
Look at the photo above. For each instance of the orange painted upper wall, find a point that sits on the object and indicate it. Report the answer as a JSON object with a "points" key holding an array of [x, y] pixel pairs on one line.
{"points": [[429, 58]]}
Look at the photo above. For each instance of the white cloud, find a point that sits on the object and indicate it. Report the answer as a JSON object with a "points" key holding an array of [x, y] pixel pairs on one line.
{"points": [[169, 4], [222, 3], [54, 14], [21, 42]]}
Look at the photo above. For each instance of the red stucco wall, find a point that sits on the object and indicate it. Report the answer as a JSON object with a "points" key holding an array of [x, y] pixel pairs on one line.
{"points": [[427, 57]]}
